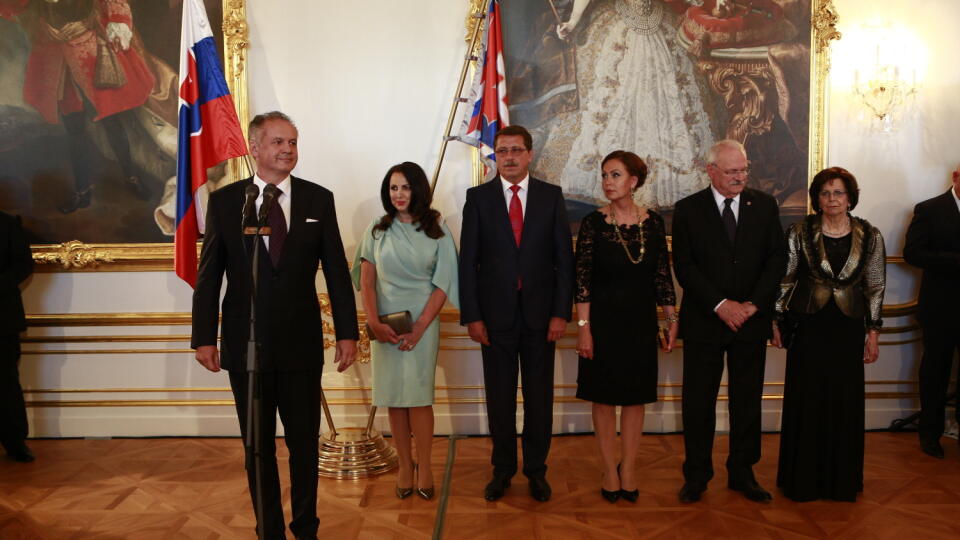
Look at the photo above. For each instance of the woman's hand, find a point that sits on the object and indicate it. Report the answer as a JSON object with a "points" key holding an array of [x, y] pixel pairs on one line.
{"points": [[409, 340], [776, 340], [383, 333], [871, 349], [585, 342], [672, 330]]}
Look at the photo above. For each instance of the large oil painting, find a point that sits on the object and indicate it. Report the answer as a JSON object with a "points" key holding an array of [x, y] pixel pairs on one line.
{"points": [[665, 79], [88, 117]]}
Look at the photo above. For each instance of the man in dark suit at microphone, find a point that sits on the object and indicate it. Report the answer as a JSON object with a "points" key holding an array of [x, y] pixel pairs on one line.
{"points": [[303, 234]]}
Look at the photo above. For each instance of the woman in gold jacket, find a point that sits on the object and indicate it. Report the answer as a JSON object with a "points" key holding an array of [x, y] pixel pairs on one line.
{"points": [[829, 320]]}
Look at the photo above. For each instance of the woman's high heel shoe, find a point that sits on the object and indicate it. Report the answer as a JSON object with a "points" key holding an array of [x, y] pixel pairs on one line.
{"points": [[630, 496], [424, 493], [403, 493], [610, 496]]}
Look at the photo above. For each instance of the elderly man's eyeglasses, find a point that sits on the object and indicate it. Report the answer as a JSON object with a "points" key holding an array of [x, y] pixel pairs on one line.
{"points": [[836, 194], [514, 151], [733, 172]]}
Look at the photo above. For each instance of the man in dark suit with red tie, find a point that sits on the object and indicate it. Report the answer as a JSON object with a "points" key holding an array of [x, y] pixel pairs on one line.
{"points": [[933, 244], [303, 234], [729, 256], [516, 294]]}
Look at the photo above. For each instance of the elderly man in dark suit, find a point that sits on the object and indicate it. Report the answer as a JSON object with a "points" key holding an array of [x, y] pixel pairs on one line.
{"points": [[729, 256], [933, 244], [304, 233], [516, 294], [16, 264]]}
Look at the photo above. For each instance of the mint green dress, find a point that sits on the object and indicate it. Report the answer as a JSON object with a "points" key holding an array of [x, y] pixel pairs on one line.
{"points": [[410, 266]]}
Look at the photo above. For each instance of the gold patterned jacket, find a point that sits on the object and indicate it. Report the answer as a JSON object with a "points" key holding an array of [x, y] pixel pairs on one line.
{"points": [[810, 282]]}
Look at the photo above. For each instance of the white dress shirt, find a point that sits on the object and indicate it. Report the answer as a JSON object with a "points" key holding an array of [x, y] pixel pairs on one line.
{"points": [[283, 200], [522, 193], [735, 205]]}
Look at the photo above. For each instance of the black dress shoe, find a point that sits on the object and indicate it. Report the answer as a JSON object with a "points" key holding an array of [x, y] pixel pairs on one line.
{"points": [[610, 496], [80, 199], [496, 487], [540, 489], [21, 453], [691, 492], [932, 448], [751, 490], [630, 496]]}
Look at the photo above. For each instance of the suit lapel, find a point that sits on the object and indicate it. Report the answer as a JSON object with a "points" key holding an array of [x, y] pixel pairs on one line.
{"points": [[300, 202], [534, 210], [498, 200], [710, 211]]}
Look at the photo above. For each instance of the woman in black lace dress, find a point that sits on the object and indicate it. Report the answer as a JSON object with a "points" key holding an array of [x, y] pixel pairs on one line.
{"points": [[623, 273], [833, 293]]}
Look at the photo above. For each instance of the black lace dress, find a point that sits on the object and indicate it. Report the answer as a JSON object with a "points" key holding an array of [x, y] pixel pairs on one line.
{"points": [[623, 301]]}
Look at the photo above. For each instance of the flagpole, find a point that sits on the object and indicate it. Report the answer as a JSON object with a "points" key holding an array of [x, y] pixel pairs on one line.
{"points": [[480, 15]]}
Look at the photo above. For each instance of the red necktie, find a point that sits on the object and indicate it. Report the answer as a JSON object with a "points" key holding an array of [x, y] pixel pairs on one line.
{"points": [[516, 214]]}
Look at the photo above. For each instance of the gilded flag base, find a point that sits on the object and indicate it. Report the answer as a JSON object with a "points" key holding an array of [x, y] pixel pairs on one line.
{"points": [[353, 453]]}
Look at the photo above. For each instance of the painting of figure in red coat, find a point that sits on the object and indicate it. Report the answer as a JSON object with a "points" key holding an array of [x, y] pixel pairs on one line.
{"points": [[88, 117]]}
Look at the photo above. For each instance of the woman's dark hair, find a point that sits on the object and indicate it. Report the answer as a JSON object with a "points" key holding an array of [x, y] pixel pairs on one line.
{"points": [[632, 162], [826, 175], [420, 199]]}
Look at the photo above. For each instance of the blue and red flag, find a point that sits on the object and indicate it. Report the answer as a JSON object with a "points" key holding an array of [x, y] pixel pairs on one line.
{"points": [[209, 130], [488, 95]]}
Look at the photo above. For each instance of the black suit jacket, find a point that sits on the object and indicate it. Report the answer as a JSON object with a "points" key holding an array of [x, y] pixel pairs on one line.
{"points": [[16, 264], [933, 244], [289, 327], [710, 268], [491, 261]]}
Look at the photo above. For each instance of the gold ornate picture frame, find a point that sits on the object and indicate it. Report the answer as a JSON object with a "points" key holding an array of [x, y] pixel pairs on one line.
{"points": [[103, 223], [763, 84]]}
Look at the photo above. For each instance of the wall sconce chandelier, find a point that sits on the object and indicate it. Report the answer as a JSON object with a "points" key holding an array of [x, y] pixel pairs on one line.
{"points": [[885, 93]]}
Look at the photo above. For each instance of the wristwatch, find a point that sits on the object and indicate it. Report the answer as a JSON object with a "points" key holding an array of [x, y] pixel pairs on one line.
{"points": [[583, 322]]}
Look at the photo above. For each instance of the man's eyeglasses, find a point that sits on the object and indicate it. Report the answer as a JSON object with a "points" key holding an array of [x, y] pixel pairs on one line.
{"points": [[514, 151], [835, 194], [733, 172]]}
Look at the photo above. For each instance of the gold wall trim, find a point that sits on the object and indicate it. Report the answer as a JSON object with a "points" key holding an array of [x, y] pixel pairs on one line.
{"points": [[76, 256], [365, 401]]}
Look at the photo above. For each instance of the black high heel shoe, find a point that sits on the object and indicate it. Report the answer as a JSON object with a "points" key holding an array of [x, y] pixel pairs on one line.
{"points": [[630, 496], [610, 496]]}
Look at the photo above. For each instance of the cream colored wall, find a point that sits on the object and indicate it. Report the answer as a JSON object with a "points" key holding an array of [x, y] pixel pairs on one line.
{"points": [[369, 84]]}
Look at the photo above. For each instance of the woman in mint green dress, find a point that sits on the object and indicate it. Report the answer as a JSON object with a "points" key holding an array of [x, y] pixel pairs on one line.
{"points": [[407, 261]]}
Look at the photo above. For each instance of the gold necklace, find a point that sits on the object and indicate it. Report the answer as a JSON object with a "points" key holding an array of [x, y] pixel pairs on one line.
{"points": [[616, 231]]}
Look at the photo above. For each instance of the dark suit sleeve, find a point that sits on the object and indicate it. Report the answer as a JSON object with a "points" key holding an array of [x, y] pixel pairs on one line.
{"points": [[20, 264], [918, 249], [337, 275], [469, 260], [690, 276], [767, 289], [206, 295], [563, 248]]}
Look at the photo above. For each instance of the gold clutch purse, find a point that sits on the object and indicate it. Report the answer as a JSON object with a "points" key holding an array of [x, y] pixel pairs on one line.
{"points": [[401, 322]]}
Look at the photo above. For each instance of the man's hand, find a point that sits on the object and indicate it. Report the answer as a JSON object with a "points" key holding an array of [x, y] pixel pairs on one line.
{"points": [[558, 326], [346, 354], [209, 357], [478, 332], [732, 313]]}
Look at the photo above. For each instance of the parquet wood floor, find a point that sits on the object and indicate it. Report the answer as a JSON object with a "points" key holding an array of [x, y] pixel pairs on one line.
{"points": [[195, 489]]}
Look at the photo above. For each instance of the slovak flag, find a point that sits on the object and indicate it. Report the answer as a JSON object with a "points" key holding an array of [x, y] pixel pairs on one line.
{"points": [[209, 130], [488, 95]]}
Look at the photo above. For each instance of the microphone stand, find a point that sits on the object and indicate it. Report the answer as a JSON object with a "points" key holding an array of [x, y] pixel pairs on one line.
{"points": [[254, 391]]}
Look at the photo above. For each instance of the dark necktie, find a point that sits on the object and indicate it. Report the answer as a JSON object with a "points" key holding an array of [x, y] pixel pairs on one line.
{"points": [[729, 220], [278, 229], [516, 214]]}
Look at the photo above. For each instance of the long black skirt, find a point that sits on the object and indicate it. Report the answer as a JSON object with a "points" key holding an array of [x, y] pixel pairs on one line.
{"points": [[822, 431]]}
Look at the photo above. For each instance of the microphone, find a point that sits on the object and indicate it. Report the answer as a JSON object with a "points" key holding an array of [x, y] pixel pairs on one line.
{"points": [[269, 196], [250, 202]]}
